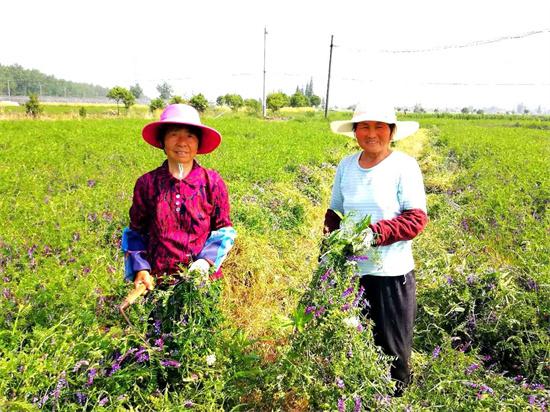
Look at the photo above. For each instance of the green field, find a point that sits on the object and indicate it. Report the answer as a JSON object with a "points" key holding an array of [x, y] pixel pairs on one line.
{"points": [[481, 340]]}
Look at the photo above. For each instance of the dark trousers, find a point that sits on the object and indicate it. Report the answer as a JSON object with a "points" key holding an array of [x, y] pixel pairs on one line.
{"points": [[392, 308]]}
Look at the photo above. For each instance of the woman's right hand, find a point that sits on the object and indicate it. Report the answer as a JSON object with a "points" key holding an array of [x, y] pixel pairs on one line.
{"points": [[144, 277]]}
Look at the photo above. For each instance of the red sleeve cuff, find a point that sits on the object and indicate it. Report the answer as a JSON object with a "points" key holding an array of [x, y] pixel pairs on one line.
{"points": [[406, 226]]}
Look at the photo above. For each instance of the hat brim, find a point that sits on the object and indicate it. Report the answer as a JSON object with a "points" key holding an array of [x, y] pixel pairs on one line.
{"points": [[403, 128], [210, 140]]}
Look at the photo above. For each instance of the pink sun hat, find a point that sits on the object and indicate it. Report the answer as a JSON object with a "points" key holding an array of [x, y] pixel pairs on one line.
{"points": [[182, 114]]}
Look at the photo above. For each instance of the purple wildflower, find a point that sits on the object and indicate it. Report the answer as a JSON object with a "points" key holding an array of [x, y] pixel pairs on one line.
{"points": [[532, 285], [92, 217], [142, 355], [340, 383], [537, 386], [341, 405], [357, 406], [436, 351], [471, 368], [358, 258], [61, 384], [170, 363], [114, 367], [319, 312], [188, 404], [31, 250], [360, 328], [103, 401], [345, 307], [518, 378], [156, 326], [43, 401], [6, 279], [91, 376], [532, 399], [159, 343], [81, 398], [6, 293], [347, 292], [449, 280], [350, 353], [91, 183], [326, 275], [359, 295], [486, 389], [309, 309], [470, 279]]}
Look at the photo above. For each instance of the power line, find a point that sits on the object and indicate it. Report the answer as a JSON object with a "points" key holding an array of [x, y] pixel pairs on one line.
{"points": [[474, 43]]}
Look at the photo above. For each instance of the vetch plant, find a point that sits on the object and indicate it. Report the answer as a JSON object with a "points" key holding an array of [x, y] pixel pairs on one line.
{"points": [[332, 362]]}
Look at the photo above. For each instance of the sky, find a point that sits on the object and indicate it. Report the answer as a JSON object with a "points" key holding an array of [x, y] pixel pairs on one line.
{"points": [[432, 53]]}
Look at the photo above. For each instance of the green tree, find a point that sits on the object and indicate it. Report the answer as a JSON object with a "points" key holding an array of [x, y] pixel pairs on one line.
{"points": [[32, 106], [136, 90], [165, 90], [314, 100], [199, 102], [234, 101], [220, 101], [298, 99], [465, 110], [129, 100], [156, 104], [177, 99], [309, 89], [276, 101], [253, 105], [120, 94]]}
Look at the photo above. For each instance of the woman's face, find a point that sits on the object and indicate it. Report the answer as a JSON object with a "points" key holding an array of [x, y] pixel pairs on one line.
{"points": [[180, 144], [373, 137]]}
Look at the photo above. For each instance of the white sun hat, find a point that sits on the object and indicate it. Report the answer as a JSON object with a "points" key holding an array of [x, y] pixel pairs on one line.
{"points": [[378, 110]]}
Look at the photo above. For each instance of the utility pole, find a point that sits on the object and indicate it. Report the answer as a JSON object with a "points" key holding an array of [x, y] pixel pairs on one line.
{"points": [[263, 96], [328, 81], [9, 92]]}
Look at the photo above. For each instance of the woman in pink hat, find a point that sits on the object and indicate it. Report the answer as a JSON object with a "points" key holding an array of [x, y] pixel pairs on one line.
{"points": [[180, 211], [388, 186]]}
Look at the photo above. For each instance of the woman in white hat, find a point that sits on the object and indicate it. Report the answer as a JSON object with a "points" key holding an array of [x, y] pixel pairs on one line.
{"points": [[180, 211], [388, 186]]}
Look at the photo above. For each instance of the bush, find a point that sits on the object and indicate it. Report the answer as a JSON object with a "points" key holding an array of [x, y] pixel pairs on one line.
{"points": [[199, 102], [32, 106], [177, 100], [156, 104], [276, 101], [82, 112]]}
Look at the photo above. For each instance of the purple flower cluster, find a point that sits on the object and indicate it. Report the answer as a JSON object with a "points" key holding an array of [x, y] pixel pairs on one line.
{"points": [[326, 275], [142, 355], [340, 383], [92, 373], [341, 405], [357, 404], [358, 258], [470, 369], [170, 363], [436, 351], [61, 384], [358, 297], [347, 292], [482, 389]]}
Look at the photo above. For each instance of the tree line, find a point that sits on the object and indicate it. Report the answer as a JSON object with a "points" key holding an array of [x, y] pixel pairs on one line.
{"points": [[17, 81]]}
